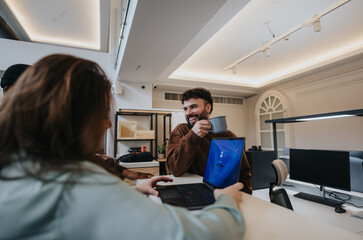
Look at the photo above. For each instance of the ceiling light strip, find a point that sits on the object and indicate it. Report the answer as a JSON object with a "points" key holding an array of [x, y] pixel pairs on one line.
{"points": [[326, 117]]}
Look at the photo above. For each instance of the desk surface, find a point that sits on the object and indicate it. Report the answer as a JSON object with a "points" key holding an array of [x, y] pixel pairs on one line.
{"points": [[140, 164], [319, 212], [265, 220]]}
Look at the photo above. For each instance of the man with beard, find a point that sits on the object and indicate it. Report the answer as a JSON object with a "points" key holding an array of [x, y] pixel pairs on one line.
{"points": [[189, 143]]}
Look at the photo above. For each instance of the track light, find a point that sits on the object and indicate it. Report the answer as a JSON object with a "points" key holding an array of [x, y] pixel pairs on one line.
{"points": [[315, 21], [317, 25], [267, 52]]}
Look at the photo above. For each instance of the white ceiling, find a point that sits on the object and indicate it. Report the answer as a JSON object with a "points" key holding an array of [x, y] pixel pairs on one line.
{"points": [[75, 23], [180, 43], [220, 43], [247, 32]]}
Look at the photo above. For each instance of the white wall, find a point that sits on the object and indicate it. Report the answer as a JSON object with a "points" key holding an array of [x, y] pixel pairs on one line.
{"points": [[14, 52], [133, 96], [334, 89], [234, 113]]}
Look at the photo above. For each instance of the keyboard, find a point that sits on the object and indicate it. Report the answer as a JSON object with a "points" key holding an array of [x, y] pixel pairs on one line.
{"points": [[313, 198], [196, 194]]}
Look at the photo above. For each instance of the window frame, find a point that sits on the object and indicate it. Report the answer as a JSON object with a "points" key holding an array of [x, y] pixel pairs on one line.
{"points": [[270, 109]]}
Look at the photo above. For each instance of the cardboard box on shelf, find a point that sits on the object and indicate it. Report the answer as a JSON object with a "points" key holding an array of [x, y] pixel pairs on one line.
{"points": [[145, 134], [127, 129]]}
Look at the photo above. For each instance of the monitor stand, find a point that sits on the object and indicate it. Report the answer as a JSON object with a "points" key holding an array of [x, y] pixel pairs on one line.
{"points": [[322, 192]]}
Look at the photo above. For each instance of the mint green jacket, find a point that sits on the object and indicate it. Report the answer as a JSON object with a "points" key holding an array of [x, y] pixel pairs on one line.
{"points": [[101, 206]]}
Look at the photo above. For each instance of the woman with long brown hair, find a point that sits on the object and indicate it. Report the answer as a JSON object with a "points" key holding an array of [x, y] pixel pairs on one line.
{"points": [[53, 187]]}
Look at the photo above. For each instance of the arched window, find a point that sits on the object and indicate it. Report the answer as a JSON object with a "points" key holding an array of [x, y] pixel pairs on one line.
{"points": [[271, 105]]}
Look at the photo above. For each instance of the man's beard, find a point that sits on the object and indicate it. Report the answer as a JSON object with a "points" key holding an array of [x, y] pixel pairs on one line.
{"points": [[202, 116]]}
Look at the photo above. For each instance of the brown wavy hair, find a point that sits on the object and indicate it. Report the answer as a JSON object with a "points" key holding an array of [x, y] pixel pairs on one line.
{"points": [[198, 93], [55, 113]]}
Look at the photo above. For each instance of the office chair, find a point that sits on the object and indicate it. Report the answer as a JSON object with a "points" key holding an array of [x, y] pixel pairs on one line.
{"points": [[279, 196]]}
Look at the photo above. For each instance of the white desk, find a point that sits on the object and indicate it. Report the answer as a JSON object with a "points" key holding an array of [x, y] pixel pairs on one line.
{"points": [[140, 164], [265, 220], [317, 211]]}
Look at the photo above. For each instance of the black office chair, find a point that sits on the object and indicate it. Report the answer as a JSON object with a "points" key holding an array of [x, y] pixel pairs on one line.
{"points": [[279, 196]]}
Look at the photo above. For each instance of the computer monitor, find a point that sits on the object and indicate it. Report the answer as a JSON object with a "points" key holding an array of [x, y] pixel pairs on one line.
{"points": [[321, 167], [356, 171]]}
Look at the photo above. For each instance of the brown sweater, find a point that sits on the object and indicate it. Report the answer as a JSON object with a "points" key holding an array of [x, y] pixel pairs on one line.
{"points": [[188, 153]]}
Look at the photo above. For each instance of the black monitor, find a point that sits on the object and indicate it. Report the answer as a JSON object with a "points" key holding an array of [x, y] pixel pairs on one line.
{"points": [[321, 167]]}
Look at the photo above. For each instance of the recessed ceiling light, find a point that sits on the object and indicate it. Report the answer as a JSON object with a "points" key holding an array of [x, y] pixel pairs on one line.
{"points": [[66, 22]]}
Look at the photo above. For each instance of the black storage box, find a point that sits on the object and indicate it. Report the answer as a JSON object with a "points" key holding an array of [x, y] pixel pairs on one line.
{"points": [[261, 169]]}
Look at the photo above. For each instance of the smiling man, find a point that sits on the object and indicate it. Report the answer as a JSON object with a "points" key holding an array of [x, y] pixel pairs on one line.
{"points": [[189, 143]]}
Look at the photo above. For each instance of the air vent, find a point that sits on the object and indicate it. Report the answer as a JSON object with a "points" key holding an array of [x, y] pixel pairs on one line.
{"points": [[216, 99], [228, 100], [172, 96]]}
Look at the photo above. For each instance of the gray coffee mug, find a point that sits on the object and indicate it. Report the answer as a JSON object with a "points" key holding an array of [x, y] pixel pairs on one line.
{"points": [[218, 124]]}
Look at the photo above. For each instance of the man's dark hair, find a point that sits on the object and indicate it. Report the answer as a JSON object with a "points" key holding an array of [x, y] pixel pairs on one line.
{"points": [[12, 74], [198, 93]]}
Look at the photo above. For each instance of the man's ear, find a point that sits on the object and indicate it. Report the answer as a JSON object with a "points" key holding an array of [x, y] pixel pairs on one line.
{"points": [[208, 107]]}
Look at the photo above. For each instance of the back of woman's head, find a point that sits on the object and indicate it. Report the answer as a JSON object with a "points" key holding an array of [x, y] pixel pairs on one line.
{"points": [[55, 110]]}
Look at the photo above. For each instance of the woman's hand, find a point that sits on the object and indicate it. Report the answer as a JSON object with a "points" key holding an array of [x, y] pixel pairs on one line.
{"points": [[233, 191], [148, 187]]}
